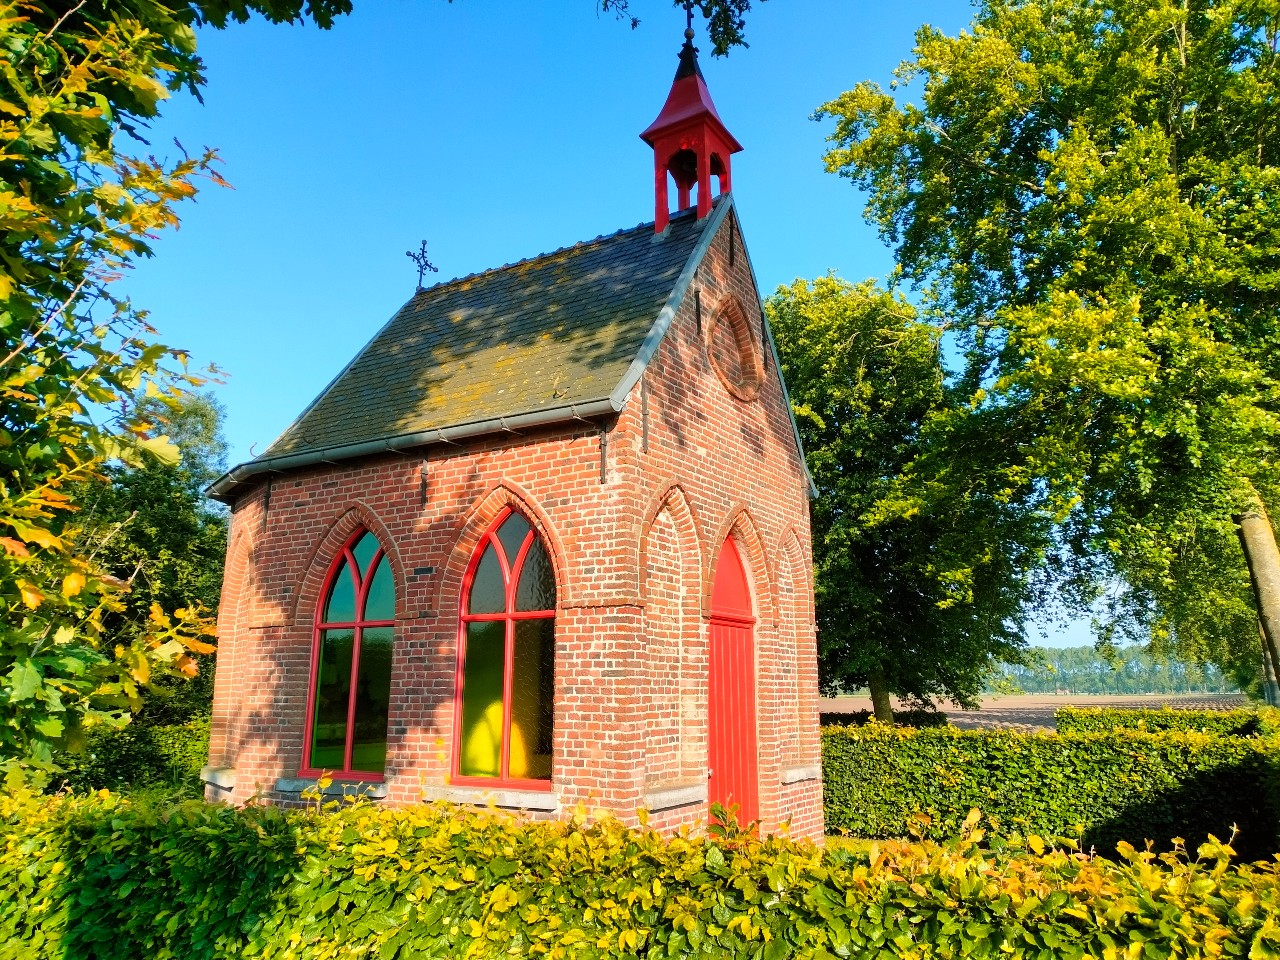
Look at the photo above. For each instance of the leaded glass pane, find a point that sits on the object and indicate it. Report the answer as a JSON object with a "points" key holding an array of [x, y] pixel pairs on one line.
{"points": [[537, 589], [380, 601], [341, 605], [532, 697], [488, 593], [512, 534], [373, 694], [482, 670], [364, 550], [333, 689]]}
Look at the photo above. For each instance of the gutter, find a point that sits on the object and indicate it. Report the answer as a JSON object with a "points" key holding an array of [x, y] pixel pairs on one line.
{"points": [[223, 489]]}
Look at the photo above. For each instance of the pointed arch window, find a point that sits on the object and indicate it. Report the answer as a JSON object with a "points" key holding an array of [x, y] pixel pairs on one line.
{"points": [[506, 660], [346, 733]]}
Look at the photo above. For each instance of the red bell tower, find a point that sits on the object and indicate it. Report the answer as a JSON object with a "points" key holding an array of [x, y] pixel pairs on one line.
{"points": [[690, 141]]}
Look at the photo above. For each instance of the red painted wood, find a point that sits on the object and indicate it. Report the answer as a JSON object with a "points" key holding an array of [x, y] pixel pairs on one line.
{"points": [[732, 777], [688, 124]]}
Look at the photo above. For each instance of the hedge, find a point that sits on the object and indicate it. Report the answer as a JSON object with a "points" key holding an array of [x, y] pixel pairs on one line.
{"points": [[142, 756], [105, 877], [904, 718], [1227, 723], [1121, 785]]}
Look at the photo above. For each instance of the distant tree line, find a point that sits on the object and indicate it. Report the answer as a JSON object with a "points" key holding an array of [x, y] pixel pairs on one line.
{"points": [[1128, 670]]}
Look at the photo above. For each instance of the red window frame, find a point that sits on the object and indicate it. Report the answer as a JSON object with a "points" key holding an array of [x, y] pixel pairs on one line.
{"points": [[357, 627], [509, 617]]}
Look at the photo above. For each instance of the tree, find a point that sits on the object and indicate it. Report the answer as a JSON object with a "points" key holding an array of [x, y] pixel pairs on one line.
{"points": [[73, 211], [152, 527], [79, 199], [1129, 670], [1089, 191], [726, 19], [924, 569]]}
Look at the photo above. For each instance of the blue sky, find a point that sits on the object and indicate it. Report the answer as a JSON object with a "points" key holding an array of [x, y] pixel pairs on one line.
{"points": [[495, 130]]}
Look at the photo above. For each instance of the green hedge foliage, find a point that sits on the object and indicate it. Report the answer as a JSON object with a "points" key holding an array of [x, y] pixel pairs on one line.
{"points": [[904, 718], [143, 756], [1121, 785], [115, 879], [1226, 723]]}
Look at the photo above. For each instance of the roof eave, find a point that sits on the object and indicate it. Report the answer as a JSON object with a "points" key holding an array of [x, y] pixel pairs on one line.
{"points": [[223, 489]]}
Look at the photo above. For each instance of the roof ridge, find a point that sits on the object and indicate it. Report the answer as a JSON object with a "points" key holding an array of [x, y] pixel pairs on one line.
{"points": [[600, 238]]}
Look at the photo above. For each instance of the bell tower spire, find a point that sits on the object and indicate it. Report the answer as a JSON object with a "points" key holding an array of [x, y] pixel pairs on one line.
{"points": [[690, 142]]}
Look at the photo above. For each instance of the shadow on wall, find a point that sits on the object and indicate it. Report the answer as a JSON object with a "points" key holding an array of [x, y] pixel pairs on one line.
{"points": [[676, 397]]}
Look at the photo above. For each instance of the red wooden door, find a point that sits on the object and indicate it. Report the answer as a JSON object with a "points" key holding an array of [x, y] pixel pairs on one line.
{"points": [[731, 747]]}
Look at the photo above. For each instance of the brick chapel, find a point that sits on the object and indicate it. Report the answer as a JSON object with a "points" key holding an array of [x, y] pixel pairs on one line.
{"points": [[543, 542]]}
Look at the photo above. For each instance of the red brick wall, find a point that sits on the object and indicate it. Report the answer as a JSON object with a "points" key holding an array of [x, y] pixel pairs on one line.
{"points": [[724, 456], [664, 631], [633, 558]]}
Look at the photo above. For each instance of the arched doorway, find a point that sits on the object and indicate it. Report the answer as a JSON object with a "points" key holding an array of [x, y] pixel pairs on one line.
{"points": [[732, 777]]}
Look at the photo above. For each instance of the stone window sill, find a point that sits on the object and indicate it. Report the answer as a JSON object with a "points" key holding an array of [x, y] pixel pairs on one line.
{"points": [[801, 774], [222, 777], [484, 797], [679, 795], [337, 788]]}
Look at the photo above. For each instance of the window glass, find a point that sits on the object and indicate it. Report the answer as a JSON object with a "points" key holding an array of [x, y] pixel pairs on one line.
{"points": [[508, 661], [373, 693], [483, 669], [537, 588], [341, 605], [352, 694], [488, 592], [380, 601], [532, 698], [364, 550], [512, 534], [333, 692]]}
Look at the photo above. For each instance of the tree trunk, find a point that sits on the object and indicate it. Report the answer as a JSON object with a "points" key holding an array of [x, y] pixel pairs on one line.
{"points": [[880, 697], [1270, 666], [1258, 540]]}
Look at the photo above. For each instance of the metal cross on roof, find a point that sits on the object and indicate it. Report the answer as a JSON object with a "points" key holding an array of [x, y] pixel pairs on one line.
{"points": [[420, 258]]}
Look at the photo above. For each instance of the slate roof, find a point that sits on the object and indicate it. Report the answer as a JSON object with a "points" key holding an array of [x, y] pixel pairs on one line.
{"points": [[554, 331], [558, 337]]}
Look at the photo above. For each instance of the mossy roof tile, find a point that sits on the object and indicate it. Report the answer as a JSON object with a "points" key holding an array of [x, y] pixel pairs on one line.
{"points": [[549, 332]]}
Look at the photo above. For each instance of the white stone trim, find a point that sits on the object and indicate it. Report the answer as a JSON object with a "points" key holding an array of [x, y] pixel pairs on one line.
{"points": [[486, 796], [681, 795], [800, 774], [221, 777], [338, 788]]}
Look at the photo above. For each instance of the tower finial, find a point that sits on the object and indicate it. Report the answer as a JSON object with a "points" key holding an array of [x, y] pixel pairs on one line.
{"points": [[690, 142]]}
